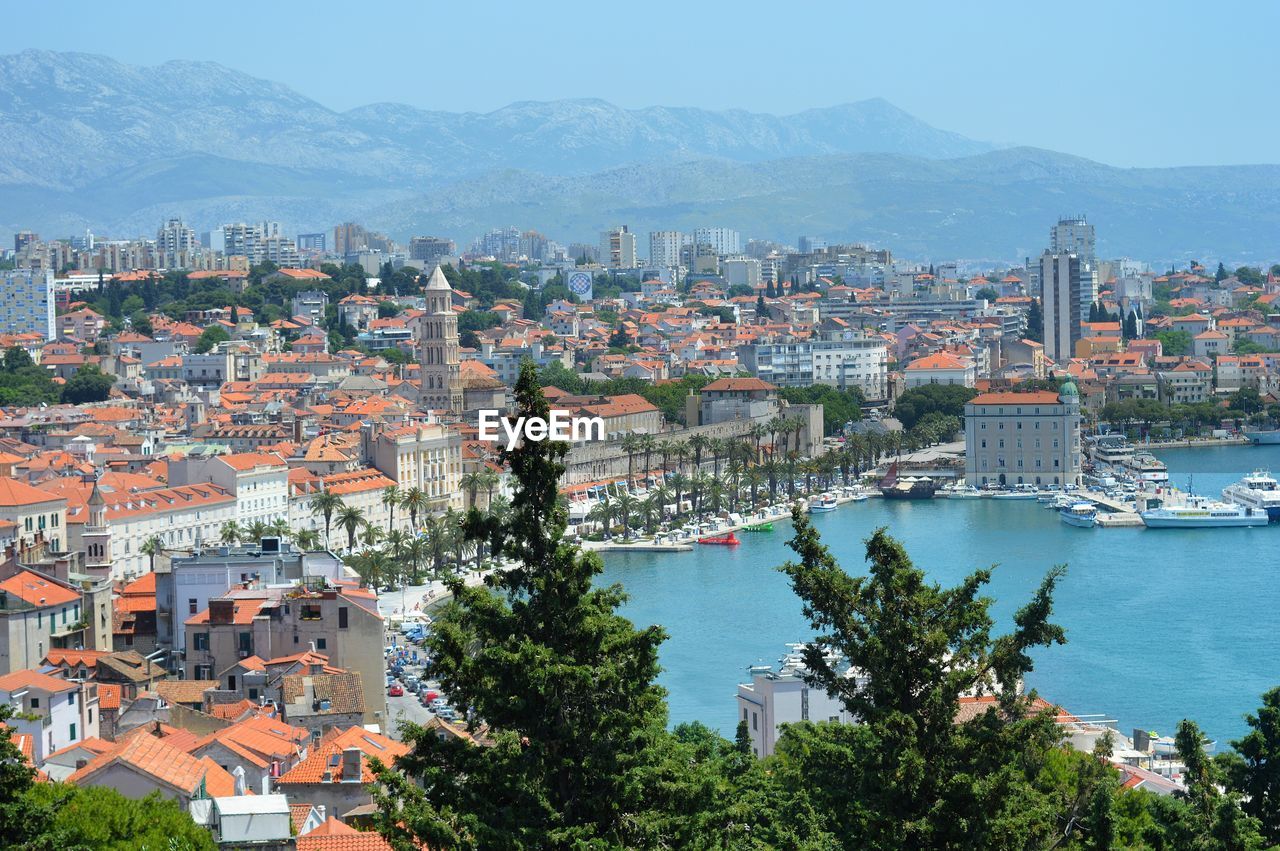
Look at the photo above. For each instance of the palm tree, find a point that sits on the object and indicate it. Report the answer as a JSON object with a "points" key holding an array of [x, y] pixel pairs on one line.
{"points": [[651, 510], [471, 482], [391, 498], [280, 528], [454, 535], [754, 479], [257, 530], [351, 519], [647, 445], [373, 566], [602, 513], [630, 444], [678, 483], [151, 548], [771, 471], [666, 449], [734, 472], [626, 505], [327, 503], [698, 444], [230, 533], [491, 482], [416, 551], [308, 540], [415, 500], [757, 433], [370, 534]]}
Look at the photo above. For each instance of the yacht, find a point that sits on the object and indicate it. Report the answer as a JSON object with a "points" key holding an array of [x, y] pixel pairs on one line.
{"points": [[826, 502], [1145, 467], [1202, 513], [961, 491], [1256, 490], [1079, 514], [1111, 449]]}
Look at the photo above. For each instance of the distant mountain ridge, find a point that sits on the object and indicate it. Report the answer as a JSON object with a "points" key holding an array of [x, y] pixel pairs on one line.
{"points": [[86, 141]]}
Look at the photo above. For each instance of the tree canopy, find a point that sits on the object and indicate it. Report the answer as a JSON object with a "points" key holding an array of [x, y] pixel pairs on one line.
{"points": [[89, 384], [947, 399]]}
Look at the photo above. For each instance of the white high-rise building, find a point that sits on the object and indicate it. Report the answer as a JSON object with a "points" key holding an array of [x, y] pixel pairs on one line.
{"points": [[1074, 235], [1067, 288], [664, 248], [26, 302], [724, 240], [618, 248], [260, 242]]}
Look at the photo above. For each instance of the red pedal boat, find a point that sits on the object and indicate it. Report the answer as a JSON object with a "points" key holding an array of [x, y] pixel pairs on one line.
{"points": [[729, 540]]}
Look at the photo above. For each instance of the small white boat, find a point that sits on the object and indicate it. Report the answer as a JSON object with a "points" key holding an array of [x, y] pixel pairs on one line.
{"points": [[1084, 514], [819, 504]]}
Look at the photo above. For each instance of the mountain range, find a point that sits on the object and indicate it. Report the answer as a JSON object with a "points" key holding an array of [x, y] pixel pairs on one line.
{"points": [[90, 142]]}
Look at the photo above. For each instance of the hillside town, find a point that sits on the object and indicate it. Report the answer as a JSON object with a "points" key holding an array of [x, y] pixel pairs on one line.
{"points": [[234, 466]]}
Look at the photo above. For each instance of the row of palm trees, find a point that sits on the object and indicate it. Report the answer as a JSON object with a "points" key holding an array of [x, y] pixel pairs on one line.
{"points": [[747, 475]]}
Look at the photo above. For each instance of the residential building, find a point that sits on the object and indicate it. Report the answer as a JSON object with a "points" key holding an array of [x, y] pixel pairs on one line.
{"points": [[741, 271], [336, 772], [140, 763], [56, 712], [1013, 438], [664, 248], [339, 620], [27, 306], [37, 614], [618, 248], [310, 304], [185, 587], [426, 456], [259, 481], [431, 251], [724, 241], [732, 399], [1074, 235], [774, 698], [939, 368], [36, 514], [839, 358], [1065, 295]]}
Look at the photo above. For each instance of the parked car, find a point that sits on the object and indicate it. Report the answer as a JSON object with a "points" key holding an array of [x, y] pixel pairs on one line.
{"points": [[396, 690], [439, 703], [446, 713]]}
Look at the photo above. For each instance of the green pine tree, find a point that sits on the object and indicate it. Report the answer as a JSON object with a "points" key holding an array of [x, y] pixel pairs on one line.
{"points": [[565, 683]]}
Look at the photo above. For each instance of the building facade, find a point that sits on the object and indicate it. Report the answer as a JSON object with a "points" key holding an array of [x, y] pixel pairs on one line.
{"points": [[1017, 438], [27, 306], [439, 347]]}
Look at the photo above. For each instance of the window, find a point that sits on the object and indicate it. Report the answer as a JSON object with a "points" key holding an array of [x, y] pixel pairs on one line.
{"points": [[35, 703], [200, 640], [71, 700], [320, 644], [342, 617], [755, 721], [191, 606], [231, 682], [73, 732]]}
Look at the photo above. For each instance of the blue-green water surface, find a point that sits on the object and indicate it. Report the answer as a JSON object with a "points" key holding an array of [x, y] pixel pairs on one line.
{"points": [[1161, 624]]}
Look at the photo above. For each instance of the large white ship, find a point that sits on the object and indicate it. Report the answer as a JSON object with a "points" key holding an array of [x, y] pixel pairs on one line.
{"points": [[1201, 513], [1146, 467], [1257, 490]]}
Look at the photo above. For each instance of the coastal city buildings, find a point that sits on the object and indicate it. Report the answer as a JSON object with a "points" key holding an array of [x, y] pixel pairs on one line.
{"points": [[28, 303]]}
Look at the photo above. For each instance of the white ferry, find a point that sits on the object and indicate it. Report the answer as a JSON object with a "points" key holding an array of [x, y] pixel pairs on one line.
{"points": [[1202, 513], [1257, 490], [1080, 514], [1145, 467]]}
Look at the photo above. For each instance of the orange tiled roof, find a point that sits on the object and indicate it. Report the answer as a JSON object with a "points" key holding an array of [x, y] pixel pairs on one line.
{"points": [[1036, 397], [37, 590]]}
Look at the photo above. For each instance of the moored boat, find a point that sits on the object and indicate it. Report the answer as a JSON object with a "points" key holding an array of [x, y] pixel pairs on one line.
{"points": [[758, 527], [1264, 437], [819, 504], [893, 487], [1022, 490], [1257, 490], [1145, 467], [1084, 514], [1201, 513], [728, 540]]}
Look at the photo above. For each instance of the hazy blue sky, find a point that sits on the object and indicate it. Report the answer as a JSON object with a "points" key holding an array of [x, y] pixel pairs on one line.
{"points": [[1128, 83]]}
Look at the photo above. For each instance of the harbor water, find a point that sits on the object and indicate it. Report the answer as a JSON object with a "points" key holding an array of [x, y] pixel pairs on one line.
{"points": [[1161, 624]]}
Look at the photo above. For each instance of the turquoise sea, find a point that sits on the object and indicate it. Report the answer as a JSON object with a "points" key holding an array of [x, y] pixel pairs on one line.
{"points": [[1161, 624]]}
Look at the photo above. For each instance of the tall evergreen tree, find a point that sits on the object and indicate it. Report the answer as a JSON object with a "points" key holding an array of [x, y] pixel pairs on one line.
{"points": [[564, 682], [1254, 768], [914, 772], [1035, 322], [1131, 326]]}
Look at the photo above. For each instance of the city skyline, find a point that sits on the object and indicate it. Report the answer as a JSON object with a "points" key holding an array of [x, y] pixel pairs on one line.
{"points": [[963, 55]]}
